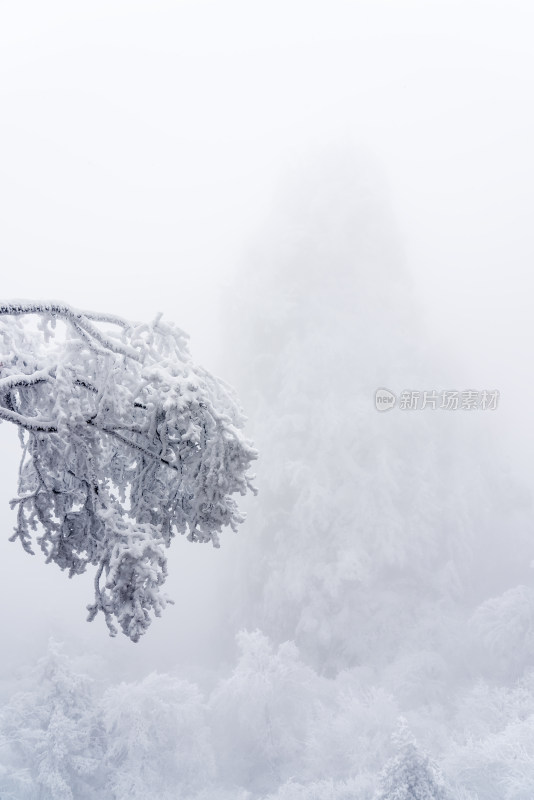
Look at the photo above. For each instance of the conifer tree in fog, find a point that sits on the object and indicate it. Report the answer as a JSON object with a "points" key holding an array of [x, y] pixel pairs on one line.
{"points": [[329, 316], [369, 527], [126, 442], [410, 775]]}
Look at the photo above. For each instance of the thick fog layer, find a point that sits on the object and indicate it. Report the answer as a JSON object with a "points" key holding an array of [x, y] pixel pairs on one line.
{"points": [[330, 199]]}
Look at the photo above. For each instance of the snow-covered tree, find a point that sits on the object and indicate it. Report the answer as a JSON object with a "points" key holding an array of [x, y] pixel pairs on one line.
{"points": [[374, 532], [158, 744], [491, 747], [261, 714], [410, 774], [503, 626], [126, 442], [50, 733], [355, 789]]}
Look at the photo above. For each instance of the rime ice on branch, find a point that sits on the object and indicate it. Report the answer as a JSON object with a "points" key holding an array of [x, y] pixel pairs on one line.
{"points": [[126, 442]]}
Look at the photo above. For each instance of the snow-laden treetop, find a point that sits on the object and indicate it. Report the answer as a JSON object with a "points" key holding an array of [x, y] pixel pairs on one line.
{"points": [[126, 442]]}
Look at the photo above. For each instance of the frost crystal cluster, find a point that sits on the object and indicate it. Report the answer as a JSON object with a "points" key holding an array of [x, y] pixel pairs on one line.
{"points": [[126, 442]]}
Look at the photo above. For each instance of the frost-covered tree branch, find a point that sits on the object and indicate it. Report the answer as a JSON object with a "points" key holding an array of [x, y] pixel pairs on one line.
{"points": [[125, 442]]}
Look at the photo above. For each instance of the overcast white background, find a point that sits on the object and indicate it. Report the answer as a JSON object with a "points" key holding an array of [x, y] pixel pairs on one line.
{"points": [[140, 148]]}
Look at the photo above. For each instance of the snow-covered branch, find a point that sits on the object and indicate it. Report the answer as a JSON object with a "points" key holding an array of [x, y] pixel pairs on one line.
{"points": [[126, 442], [80, 321]]}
